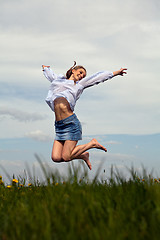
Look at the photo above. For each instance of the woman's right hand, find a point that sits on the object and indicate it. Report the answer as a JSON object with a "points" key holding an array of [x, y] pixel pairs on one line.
{"points": [[43, 66]]}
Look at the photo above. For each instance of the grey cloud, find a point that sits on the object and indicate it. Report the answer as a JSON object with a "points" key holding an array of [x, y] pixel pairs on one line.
{"points": [[20, 115], [90, 18], [92, 30], [22, 90], [99, 35], [39, 16]]}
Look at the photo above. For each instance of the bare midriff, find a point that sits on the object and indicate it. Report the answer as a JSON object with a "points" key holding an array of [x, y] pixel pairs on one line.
{"points": [[62, 108]]}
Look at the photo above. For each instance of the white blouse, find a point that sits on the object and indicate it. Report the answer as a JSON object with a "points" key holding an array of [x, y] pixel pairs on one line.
{"points": [[62, 87]]}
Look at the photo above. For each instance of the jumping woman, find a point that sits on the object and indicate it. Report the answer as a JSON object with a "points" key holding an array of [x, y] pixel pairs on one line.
{"points": [[62, 96]]}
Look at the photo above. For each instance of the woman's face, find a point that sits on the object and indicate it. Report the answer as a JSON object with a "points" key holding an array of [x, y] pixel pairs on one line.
{"points": [[78, 74]]}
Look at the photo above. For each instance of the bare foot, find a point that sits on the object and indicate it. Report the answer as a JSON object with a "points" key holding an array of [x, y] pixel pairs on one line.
{"points": [[86, 159], [96, 144]]}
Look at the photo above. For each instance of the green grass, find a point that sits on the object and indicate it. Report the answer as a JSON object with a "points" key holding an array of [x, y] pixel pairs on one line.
{"points": [[81, 209]]}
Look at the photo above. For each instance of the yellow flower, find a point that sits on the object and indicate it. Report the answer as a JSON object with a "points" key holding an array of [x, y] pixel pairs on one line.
{"points": [[0, 177], [21, 185], [143, 180], [9, 186], [15, 180], [56, 184], [29, 184], [1, 182]]}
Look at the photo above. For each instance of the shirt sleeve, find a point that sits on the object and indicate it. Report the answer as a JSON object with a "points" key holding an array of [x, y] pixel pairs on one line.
{"points": [[96, 78], [49, 74]]}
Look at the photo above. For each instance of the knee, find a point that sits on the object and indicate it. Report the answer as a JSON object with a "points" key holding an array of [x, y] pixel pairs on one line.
{"points": [[66, 157], [56, 158]]}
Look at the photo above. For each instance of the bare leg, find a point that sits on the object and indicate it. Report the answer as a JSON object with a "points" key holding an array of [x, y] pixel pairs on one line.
{"points": [[71, 151], [82, 148], [65, 151], [57, 151], [85, 157]]}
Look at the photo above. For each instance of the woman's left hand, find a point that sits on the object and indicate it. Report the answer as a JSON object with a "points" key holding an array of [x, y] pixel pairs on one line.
{"points": [[122, 71]]}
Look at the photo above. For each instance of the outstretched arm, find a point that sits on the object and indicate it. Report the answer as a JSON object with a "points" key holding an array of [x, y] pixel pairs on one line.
{"points": [[96, 78], [101, 77], [120, 72], [48, 73]]}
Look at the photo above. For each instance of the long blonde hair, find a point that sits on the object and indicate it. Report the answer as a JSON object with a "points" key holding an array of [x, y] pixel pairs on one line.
{"points": [[69, 72]]}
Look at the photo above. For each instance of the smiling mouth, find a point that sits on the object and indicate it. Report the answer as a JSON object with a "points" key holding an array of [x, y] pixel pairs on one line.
{"points": [[79, 77]]}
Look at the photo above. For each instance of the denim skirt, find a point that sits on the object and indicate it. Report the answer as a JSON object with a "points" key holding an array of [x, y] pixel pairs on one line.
{"points": [[68, 129]]}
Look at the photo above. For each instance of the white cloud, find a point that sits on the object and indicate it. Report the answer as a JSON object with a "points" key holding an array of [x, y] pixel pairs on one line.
{"points": [[7, 163], [39, 136], [113, 142], [98, 156], [9, 167]]}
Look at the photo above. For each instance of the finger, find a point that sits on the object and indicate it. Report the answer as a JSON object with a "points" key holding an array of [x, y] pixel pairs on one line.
{"points": [[123, 69]]}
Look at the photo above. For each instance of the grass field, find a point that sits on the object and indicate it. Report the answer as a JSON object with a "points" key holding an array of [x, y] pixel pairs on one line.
{"points": [[78, 208]]}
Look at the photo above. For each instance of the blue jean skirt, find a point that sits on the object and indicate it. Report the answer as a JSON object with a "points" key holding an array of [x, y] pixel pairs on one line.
{"points": [[68, 129]]}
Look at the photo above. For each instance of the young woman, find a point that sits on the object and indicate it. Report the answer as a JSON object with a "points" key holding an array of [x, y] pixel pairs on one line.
{"points": [[62, 96]]}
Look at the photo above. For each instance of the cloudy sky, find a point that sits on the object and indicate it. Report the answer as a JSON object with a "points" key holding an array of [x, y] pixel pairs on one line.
{"points": [[101, 35]]}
